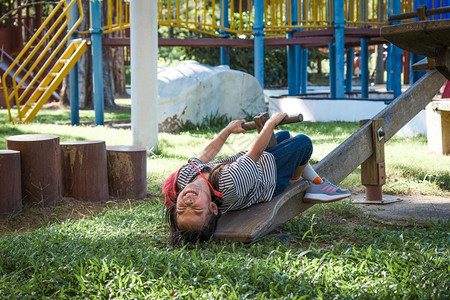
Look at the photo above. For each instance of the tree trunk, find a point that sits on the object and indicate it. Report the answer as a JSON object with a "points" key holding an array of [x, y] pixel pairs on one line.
{"points": [[379, 70], [118, 62], [85, 84], [127, 172], [40, 157], [85, 175], [11, 182], [108, 82]]}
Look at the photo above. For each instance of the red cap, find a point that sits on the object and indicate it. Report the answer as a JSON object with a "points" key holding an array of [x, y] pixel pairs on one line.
{"points": [[171, 190]]}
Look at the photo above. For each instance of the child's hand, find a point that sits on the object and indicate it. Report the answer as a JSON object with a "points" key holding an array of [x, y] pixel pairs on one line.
{"points": [[277, 117], [236, 126]]}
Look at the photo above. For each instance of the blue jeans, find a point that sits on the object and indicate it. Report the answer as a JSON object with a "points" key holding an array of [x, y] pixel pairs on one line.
{"points": [[289, 154]]}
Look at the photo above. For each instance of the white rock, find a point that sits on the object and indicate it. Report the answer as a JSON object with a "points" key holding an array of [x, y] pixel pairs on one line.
{"points": [[193, 92]]}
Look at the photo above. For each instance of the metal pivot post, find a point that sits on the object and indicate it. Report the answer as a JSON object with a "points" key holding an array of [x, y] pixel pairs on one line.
{"points": [[373, 172]]}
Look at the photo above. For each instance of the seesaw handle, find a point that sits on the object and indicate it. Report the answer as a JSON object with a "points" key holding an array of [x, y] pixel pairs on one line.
{"points": [[287, 120]]}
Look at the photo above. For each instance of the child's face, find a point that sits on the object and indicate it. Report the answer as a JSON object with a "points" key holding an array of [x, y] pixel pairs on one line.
{"points": [[194, 205]]}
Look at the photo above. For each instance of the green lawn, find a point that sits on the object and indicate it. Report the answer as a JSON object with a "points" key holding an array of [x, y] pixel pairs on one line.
{"points": [[121, 251]]}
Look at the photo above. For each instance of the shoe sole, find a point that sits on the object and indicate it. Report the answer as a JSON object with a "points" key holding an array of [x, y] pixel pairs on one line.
{"points": [[312, 199]]}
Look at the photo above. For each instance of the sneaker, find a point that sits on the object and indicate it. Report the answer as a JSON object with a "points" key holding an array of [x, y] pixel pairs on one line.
{"points": [[324, 192]]}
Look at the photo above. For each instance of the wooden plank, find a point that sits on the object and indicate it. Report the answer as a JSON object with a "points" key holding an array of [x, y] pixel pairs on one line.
{"points": [[431, 34], [445, 127], [252, 223], [358, 147]]}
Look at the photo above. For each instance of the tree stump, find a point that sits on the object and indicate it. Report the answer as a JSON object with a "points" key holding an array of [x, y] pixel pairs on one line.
{"points": [[127, 171], [10, 182], [84, 168], [40, 157]]}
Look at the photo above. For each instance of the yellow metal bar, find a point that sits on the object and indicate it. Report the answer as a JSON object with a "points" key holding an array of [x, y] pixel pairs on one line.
{"points": [[169, 9], [187, 10], [60, 23], [200, 15], [42, 54], [213, 19], [110, 14], [72, 54], [21, 54], [58, 47]]}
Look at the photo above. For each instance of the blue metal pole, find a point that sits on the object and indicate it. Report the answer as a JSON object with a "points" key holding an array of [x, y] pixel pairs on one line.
{"points": [[339, 24], [349, 76], [73, 74], [292, 62], [415, 75], [364, 65], [304, 71], [396, 57], [291, 67], [224, 51], [332, 59], [258, 33], [298, 66], [97, 61]]}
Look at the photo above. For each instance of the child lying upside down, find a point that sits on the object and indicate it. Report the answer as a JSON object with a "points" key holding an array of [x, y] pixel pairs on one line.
{"points": [[201, 190]]}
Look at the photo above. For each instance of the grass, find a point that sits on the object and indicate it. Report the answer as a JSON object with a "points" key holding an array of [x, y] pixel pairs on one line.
{"points": [[121, 250]]}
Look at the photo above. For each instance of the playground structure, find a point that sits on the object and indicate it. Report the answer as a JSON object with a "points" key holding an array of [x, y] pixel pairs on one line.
{"points": [[298, 25]]}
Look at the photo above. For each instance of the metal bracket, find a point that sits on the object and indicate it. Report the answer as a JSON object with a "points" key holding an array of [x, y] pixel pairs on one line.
{"points": [[380, 133]]}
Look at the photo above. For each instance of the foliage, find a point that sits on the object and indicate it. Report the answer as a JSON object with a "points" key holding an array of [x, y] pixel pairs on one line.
{"points": [[241, 58]]}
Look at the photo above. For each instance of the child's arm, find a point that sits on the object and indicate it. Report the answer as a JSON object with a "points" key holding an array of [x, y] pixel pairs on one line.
{"points": [[264, 136], [213, 147]]}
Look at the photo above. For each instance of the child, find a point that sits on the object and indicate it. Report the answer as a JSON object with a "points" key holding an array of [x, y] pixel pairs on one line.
{"points": [[201, 190]]}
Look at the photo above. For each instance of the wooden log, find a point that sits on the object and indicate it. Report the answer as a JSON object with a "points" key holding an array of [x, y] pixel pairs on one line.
{"points": [[84, 168], [40, 157], [10, 182], [127, 171], [287, 120]]}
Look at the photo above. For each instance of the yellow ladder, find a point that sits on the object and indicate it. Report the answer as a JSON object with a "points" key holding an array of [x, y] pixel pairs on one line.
{"points": [[32, 83], [54, 78]]}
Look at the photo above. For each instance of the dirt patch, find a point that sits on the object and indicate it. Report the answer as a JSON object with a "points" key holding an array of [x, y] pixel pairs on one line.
{"points": [[34, 216]]}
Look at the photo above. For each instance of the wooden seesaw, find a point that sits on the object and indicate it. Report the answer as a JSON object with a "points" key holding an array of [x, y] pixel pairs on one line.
{"points": [[258, 220]]}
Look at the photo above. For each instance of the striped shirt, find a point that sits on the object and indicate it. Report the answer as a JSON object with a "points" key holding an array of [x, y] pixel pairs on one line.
{"points": [[243, 182]]}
